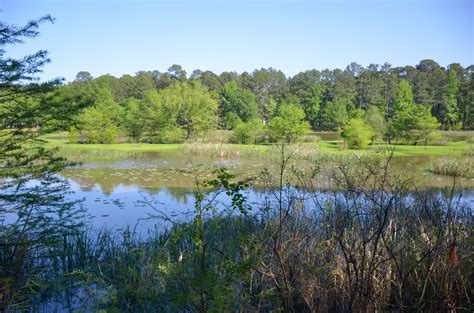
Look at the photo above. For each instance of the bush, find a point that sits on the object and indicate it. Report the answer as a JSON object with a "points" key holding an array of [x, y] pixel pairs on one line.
{"points": [[73, 135], [242, 133], [172, 135], [435, 138], [109, 135], [288, 125], [356, 134], [92, 136], [246, 133]]}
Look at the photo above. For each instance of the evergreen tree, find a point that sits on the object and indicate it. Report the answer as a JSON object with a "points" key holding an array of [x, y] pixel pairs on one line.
{"points": [[31, 194], [101, 122], [450, 111], [412, 123]]}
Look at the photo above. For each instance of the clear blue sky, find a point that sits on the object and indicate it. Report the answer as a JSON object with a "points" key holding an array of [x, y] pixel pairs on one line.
{"points": [[122, 37]]}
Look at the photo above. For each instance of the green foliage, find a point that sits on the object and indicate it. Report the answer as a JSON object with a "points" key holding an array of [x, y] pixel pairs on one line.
{"points": [[99, 123], [109, 135], [426, 125], [134, 119], [450, 111], [312, 105], [288, 124], [239, 101], [334, 114], [23, 111], [155, 117], [73, 135], [356, 133], [412, 123], [92, 124], [34, 212], [206, 276], [404, 98], [63, 104], [190, 107], [232, 120], [171, 134], [246, 133], [375, 120], [329, 98]]}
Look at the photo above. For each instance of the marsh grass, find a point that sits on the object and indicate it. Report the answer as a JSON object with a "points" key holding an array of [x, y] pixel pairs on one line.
{"points": [[225, 150], [456, 167]]}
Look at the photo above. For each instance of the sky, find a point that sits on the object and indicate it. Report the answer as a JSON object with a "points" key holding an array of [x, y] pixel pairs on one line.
{"points": [[124, 36]]}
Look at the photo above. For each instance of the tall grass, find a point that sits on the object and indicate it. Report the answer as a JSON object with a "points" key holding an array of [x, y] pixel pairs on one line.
{"points": [[456, 167]]}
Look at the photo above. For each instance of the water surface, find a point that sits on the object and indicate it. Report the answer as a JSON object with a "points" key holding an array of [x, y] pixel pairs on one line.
{"points": [[125, 193]]}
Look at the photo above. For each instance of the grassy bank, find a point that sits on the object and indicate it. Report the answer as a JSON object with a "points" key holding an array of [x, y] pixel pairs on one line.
{"points": [[82, 152]]}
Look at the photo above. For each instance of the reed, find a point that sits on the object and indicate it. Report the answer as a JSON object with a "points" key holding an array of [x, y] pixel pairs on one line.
{"points": [[456, 167]]}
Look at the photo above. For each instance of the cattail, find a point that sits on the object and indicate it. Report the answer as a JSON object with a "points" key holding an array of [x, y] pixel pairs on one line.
{"points": [[453, 257]]}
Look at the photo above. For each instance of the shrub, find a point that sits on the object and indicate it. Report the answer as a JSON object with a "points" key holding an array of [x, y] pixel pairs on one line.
{"points": [[92, 136], [436, 138], [242, 133], [246, 133], [289, 123], [356, 134], [73, 135], [109, 135], [172, 135]]}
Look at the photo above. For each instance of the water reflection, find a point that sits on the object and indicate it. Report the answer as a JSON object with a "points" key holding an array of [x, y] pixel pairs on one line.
{"points": [[114, 192]]}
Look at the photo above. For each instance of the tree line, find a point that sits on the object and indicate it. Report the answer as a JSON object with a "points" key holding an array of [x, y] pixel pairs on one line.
{"points": [[379, 102]]}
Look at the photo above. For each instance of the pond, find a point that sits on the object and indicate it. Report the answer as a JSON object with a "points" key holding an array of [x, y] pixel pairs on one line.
{"points": [[125, 193]]}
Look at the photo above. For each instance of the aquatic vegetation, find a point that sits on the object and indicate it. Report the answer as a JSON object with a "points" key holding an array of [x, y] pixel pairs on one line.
{"points": [[456, 167]]}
